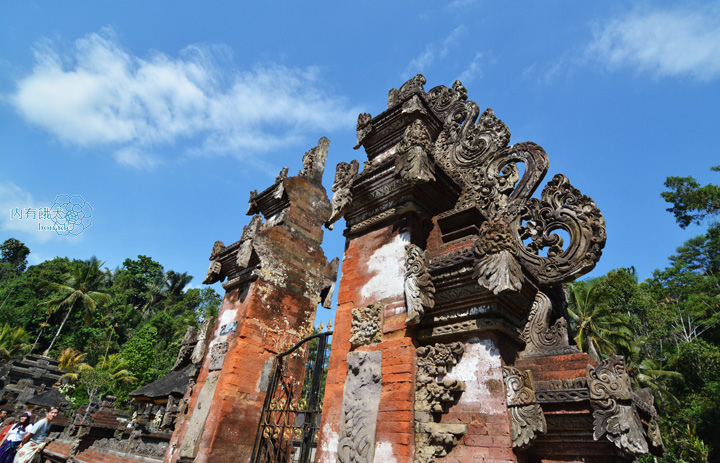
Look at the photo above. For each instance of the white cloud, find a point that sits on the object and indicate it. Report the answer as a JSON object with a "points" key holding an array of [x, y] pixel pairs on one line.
{"points": [[473, 70], [683, 42], [433, 51], [14, 219], [103, 96]]}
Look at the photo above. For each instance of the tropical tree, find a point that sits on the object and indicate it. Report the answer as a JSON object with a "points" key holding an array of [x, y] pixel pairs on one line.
{"points": [[13, 342], [597, 330], [83, 288], [691, 202], [645, 372], [108, 375], [72, 362]]}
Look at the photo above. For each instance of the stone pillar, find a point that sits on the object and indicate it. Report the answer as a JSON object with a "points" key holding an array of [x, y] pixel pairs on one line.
{"points": [[450, 300], [275, 277]]}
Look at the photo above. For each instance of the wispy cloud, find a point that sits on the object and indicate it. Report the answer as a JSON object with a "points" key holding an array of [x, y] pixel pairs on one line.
{"points": [[473, 71], [103, 96], [680, 42], [16, 218], [434, 51]]}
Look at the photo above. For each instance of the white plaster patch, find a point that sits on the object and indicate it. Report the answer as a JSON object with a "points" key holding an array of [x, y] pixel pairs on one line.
{"points": [[227, 317], [480, 363], [387, 264], [384, 453], [329, 445]]}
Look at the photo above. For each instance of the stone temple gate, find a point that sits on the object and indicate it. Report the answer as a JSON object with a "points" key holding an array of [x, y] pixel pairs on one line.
{"points": [[450, 340]]}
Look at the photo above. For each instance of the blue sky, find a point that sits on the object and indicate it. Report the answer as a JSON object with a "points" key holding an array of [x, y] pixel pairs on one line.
{"points": [[164, 115]]}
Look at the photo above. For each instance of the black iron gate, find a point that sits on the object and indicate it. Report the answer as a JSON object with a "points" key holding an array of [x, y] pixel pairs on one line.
{"points": [[290, 418]]}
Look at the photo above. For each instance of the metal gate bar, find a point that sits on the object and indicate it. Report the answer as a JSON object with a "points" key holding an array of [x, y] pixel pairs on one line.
{"points": [[290, 418]]}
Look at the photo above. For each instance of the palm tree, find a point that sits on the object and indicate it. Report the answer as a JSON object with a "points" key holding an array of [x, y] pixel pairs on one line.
{"points": [[13, 342], [645, 372], [83, 288], [597, 330], [72, 363], [175, 283], [109, 373]]}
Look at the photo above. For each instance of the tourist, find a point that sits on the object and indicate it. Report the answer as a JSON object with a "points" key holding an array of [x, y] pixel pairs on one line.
{"points": [[14, 438], [5, 427], [34, 440]]}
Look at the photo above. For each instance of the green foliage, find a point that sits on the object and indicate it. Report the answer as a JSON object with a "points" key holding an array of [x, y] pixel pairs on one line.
{"points": [[14, 253], [691, 202], [13, 342]]}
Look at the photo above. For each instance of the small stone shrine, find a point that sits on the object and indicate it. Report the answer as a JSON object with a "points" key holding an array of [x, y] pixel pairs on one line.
{"points": [[450, 340]]}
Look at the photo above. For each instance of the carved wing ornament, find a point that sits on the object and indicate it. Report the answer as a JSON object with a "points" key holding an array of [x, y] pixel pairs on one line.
{"points": [[561, 207]]}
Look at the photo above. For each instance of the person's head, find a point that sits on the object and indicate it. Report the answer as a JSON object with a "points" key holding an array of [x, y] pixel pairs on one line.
{"points": [[3, 414], [51, 414]]}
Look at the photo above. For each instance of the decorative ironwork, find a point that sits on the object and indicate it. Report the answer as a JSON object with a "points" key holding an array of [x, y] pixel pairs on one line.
{"points": [[290, 418]]}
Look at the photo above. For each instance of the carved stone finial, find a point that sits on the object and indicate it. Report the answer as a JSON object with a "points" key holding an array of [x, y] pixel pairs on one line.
{"points": [[244, 253], [314, 161], [217, 249], [412, 87], [611, 398], [363, 128], [542, 338], [366, 325], [252, 203], [496, 268], [342, 191], [527, 418], [419, 288], [282, 175], [413, 162]]}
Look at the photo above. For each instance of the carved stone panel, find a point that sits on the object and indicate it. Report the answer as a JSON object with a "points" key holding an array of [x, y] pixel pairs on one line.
{"points": [[496, 268], [526, 416], [367, 325], [360, 406], [542, 338], [413, 162], [432, 395], [419, 288], [217, 355]]}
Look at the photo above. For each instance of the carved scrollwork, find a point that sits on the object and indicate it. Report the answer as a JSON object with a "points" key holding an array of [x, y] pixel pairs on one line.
{"points": [[496, 186], [363, 128], [527, 418], [496, 268], [342, 191], [414, 86], [419, 288], [412, 161], [561, 207], [366, 325], [441, 99], [540, 336], [614, 414]]}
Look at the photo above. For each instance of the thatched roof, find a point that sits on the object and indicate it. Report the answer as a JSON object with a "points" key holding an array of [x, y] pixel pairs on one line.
{"points": [[174, 383]]}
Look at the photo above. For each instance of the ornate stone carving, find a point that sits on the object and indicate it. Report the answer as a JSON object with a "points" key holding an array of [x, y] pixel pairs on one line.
{"points": [[496, 268], [542, 338], [363, 128], [133, 446], [360, 405], [437, 440], [526, 416], [217, 249], [314, 161], [282, 175], [561, 207], [366, 325], [441, 99], [613, 412], [217, 355], [412, 87], [412, 159], [419, 288], [203, 336], [244, 253], [432, 395], [214, 273], [186, 348], [342, 191]]}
